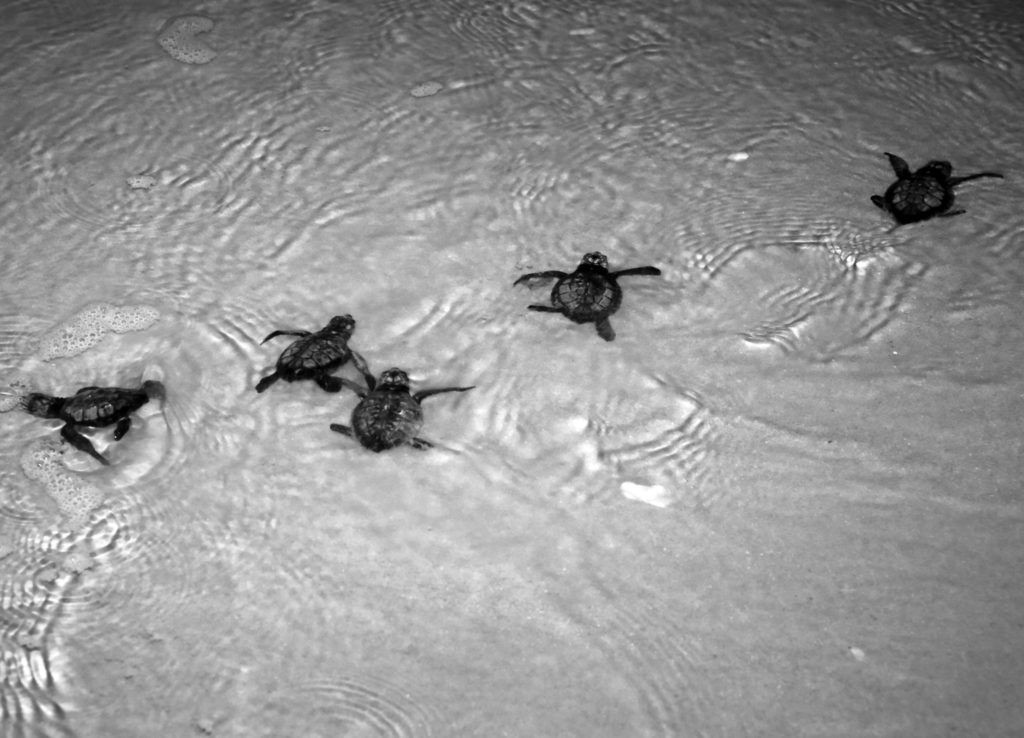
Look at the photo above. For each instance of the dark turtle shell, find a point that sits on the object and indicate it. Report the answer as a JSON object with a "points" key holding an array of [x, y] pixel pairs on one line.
{"points": [[93, 407], [922, 195], [388, 416], [589, 293], [318, 352], [99, 406]]}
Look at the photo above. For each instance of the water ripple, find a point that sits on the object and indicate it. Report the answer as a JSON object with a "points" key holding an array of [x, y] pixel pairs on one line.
{"points": [[364, 705]]}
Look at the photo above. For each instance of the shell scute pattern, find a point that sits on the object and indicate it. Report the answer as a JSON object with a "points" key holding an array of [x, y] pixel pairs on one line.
{"points": [[315, 355], [388, 414]]}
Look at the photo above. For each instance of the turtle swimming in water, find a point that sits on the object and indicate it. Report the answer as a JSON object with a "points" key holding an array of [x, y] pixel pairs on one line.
{"points": [[93, 407], [315, 355], [591, 294], [388, 415], [923, 194]]}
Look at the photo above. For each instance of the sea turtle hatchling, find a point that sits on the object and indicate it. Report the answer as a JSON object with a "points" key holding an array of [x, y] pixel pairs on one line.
{"points": [[388, 415], [93, 407], [923, 194], [315, 355], [591, 294]]}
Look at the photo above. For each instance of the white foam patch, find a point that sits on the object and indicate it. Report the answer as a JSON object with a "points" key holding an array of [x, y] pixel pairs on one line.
{"points": [[89, 327], [76, 498], [77, 561], [12, 390], [141, 181], [426, 89], [652, 494], [179, 39]]}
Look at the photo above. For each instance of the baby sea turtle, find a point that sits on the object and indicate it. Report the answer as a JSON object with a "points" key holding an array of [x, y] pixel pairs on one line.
{"points": [[923, 194], [590, 294], [315, 355], [93, 407], [388, 415]]}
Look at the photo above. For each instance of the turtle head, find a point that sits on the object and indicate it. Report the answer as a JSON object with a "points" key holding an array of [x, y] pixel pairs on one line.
{"points": [[154, 390], [595, 258], [941, 170], [42, 406], [393, 380], [345, 324]]}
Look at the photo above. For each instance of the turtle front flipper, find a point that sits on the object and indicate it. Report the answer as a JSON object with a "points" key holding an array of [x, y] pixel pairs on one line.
{"points": [[954, 181], [540, 275], [275, 334], [647, 271], [420, 444], [423, 394], [363, 368], [122, 427], [76, 439], [879, 201], [605, 330], [951, 213], [544, 308], [266, 381], [899, 165]]}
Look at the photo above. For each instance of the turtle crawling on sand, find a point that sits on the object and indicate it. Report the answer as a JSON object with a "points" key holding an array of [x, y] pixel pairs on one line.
{"points": [[388, 415], [923, 194], [315, 355], [591, 294], [93, 407]]}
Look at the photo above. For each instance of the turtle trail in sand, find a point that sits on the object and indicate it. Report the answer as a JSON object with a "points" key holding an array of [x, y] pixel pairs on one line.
{"points": [[924, 194], [591, 294]]}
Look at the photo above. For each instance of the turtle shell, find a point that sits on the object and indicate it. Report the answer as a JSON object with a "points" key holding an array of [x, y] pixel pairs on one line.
{"points": [[587, 296], [919, 196], [310, 355], [99, 406], [385, 419]]}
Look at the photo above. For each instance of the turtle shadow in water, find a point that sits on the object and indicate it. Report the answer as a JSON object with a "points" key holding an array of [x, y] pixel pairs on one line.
{"points": [[923, 194], [590, 294]]}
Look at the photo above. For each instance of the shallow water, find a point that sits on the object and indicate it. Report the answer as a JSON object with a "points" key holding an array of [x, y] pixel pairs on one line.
{"points": [[785, 501]]}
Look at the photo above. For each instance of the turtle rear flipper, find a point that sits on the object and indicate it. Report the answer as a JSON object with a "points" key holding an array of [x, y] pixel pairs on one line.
{"points": [[122, 427], [266, 381], [879, 201], [76, 439], [605, 330], [342, 429]]}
